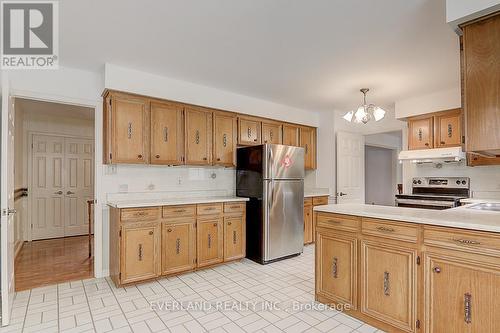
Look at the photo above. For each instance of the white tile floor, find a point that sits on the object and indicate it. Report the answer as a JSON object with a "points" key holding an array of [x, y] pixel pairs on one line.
{"points": [[96, 305]]}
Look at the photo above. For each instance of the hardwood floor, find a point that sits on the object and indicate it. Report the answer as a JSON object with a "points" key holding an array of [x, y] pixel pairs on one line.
{"points": [[52, 261]]}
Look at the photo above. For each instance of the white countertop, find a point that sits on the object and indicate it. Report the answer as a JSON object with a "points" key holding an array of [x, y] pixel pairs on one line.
{"points": [[479, 200], [170, 201], [460, 217], [316, 192]]}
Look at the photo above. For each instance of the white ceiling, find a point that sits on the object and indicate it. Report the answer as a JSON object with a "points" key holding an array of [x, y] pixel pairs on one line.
{"points": [[310, 54], [49, 109]]}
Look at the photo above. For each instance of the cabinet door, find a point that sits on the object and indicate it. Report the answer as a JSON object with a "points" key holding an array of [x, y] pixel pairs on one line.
{"points": [[248, 131], [272, 133], [308, 142], [167, 133], [420, 134], [234, 238], [178, 246], [308, 224], [224, 140], [336, 273], [448, 129], [481, 51], [210, 241], [198, 129], [388, 284], [129, 117], [290, 135], [140, 254], [460, 297]]}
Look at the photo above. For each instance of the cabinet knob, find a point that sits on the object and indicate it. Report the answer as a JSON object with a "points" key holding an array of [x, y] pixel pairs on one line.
{"points": [[139, 156], [215, 224], [218, 159], [437, 269], [169, 230], [255, 140], [151, 232], [204, 158], [229, 223], [427, 144], [157, 156], [443, 143]]}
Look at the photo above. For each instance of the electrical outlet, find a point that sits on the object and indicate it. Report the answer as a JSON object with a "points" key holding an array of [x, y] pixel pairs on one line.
{"points": [[151, 187], [110, 169], [179, 180]]}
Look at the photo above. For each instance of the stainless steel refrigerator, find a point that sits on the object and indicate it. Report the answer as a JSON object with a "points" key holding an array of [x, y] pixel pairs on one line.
{"points": [[272, 177]]}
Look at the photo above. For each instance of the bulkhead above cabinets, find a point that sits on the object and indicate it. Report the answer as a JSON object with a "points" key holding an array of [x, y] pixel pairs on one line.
{"points": [[144, 130]]}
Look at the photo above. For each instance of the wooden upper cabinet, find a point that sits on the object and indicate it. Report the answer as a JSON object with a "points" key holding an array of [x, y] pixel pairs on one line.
{"points": [[336, 267], [290, 135], [448, 129], [272, 132], [225, 132], [167, 133], [249, 131], [126, 129], [388, 284], [308, 142], [460, 297], [198, 129], [420, 133], [481, 85]]}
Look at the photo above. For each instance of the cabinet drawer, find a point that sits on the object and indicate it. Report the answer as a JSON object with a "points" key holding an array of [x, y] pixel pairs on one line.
{"points": [[469, 241], [337, 221], [308, 201], [179, 211], [139, 214], [209, 209], [389, 229], [317, 201], [234, 207]]}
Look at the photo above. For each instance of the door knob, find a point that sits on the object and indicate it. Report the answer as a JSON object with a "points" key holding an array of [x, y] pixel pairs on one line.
{"points": [[69, 192], [341, 194], [58, 192]]}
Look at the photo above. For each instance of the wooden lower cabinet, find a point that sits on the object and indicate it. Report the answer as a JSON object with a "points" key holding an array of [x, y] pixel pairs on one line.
{"points": [[179, 246], [336, 267], [234, 240], [308, 223], [412, 277], [145, 243], [388, 284], [461, 296], [140, 244], [210, 241]]}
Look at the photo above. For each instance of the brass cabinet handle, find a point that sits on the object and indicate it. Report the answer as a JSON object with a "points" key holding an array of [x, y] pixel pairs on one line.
{"points": [[306, 148], [335, 268], [179, 211], [468, 308], [450, 130], [235, 207], [215, 224], [129, 130], [197, 137], [151, 233], [271, 135], [249, 132], [234, 236], [224, 140], [466, 242], [334, 221], [387, 285], [178, 246], [420, 134], [140, 214], [140, 252], [209, 208], [437, 269], [385, 229], [229, 223], [165, 134], [209, 241], [443, 143]]}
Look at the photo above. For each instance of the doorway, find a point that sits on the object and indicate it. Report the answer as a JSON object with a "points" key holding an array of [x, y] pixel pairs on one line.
{"points": [[54, 169], [383, 172]]}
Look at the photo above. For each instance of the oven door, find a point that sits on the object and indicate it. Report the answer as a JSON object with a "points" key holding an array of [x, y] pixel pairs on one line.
{"points": [[422, 203]]}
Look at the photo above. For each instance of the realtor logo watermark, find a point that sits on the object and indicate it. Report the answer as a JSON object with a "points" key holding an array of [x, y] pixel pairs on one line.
{"points": [[30, 35]]}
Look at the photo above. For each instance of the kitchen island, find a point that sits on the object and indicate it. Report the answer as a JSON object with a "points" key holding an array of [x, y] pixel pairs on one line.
{"points": [[407, 269]]}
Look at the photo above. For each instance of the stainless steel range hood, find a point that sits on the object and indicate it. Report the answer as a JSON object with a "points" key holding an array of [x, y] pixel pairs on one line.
{"points": [[436, 155]]}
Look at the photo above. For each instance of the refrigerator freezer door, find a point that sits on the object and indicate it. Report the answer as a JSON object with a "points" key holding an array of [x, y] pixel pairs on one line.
{"points": [[283, 218], [283, 162]]}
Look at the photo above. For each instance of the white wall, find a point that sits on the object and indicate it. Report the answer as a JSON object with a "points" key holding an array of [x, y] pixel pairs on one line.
{"points": [[460, 11], [436, 101], [380, 176]]}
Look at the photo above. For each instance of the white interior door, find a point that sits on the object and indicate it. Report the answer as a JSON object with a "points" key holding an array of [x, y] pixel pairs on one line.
{"points": [[79, 184], [47, 187], [350, 168], [7, 202]]}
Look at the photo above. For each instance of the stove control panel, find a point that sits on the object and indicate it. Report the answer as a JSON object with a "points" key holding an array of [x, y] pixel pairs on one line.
{"points": [[443, 182]]}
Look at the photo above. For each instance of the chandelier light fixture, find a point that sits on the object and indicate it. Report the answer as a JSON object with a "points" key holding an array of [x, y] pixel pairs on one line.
{"points": [[365, 112]]}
